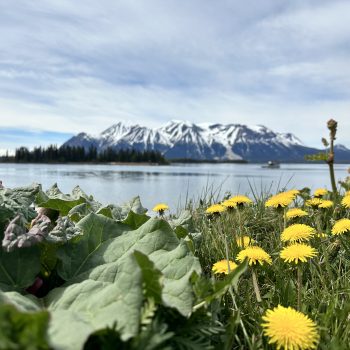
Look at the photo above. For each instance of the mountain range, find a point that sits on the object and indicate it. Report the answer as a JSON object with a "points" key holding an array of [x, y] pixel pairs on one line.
{"points": [[221, 142]]}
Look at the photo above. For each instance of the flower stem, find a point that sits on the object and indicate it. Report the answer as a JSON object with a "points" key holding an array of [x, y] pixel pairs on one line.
{"points": [[240, 221], [332, 126], [256, 286], [299, 283], [240, 226], [319, 221], [235, 307]]}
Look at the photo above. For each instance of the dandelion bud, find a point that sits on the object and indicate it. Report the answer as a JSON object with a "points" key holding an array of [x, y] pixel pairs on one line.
{"points": [[332, 126]]}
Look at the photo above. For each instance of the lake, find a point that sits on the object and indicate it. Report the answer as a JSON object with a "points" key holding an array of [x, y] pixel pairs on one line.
{"points": [[172, 184]]}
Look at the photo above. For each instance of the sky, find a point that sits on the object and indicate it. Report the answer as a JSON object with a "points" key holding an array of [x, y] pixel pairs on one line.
{"points": [[73, 66]]}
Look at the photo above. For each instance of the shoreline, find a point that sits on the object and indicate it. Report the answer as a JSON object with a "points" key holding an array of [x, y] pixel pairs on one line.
{"points": [[89, 163], [168, 163]]}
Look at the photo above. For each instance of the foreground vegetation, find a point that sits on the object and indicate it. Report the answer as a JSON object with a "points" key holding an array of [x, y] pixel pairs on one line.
{"points": [[232, 273], [75, 274]]}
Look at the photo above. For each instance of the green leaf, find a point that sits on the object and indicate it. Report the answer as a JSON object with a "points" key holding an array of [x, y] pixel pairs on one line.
{"points": [[17, 201], [23, 303], [135, 220], [64, 230], [100, 257], [23, 330], [321, 156], [55, 199], [102, 304], [222, 286], [106, 211], [122, 211], [79, 211], [110, 271], [184, 220], [152, 278], [181, 232], [19, 268], [288, 291], [80, 252], [69, 330], [209, 290]]}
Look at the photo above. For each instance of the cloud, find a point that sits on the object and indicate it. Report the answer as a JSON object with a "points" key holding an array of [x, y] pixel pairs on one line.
{"points": [[69, 68], [13, 138]]}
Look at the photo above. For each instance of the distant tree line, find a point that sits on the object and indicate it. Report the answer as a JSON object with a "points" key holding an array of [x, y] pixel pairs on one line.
{"points": [[54, 154]]}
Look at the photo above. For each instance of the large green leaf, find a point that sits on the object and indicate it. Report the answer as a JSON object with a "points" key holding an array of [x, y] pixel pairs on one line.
{"points": [[134, 220], [79, 211], [81, 251], [19, 268], [22, 302], [152, 278], [17, 201], [55, 199], [110, 272], [100, 259], [105, 304], [184, 219], [122, 211]]}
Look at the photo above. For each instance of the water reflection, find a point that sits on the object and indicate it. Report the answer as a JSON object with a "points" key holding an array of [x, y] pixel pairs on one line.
{"points": [[171, 184], [127, 174]]}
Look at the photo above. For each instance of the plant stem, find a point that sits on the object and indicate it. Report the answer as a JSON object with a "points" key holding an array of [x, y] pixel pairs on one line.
{"points": [[319, 221], [299, 283], [332, 176], [235, 309], [332, 126], [240, 319], [240, 226], [256, 286]]}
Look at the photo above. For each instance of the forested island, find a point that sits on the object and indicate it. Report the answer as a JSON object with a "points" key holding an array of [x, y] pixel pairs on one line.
{"points": [[72, 154]]}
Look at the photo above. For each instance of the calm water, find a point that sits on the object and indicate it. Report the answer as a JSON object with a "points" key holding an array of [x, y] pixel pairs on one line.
{"points": [[170, 184]]}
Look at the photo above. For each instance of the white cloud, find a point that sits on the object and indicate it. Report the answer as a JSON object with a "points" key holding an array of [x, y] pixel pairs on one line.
{"points": [[70, 68]]}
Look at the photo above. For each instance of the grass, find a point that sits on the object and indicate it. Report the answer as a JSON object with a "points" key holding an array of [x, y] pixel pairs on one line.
{"points": [[324, 280]]}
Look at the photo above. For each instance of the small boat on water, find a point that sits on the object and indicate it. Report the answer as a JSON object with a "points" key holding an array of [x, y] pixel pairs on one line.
{"points": [[271, 164]]}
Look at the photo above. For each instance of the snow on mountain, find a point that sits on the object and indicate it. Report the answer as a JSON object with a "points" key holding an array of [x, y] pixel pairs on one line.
{"points": [[186, 140]]}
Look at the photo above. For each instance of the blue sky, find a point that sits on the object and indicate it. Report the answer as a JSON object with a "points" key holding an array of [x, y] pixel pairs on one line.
{"points": [[69, 66]]}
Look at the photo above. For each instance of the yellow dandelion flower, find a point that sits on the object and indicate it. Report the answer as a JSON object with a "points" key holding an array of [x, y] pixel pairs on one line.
{"points": [[297, 232], [222, 266], [293, 192], [215, 209], [254, 254], [295, 213], [282, 199], [290, 329], [320, 192], [325, 204], [347, 193], [341, 226], [244, 241], [297, 252], [239, 200], [346, 201], [229, 204], [313, 202], [160, 208]]}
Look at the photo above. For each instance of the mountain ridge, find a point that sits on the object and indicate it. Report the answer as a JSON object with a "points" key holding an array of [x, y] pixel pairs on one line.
{"points": [[204, 141]]}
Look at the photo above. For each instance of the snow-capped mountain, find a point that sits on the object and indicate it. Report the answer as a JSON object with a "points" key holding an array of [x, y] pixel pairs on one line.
{"points": [[185, 140]]}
